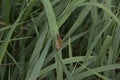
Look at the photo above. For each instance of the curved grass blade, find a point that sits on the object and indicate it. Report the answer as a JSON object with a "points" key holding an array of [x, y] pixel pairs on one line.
{"points": [[96, 70], [37, 68]]}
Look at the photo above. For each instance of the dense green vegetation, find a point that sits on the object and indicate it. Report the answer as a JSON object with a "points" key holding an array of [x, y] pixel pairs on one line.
{"points": [[31, 33]]}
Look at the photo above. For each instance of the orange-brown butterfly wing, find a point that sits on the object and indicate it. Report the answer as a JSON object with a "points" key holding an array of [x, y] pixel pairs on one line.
{"points": [[58, 43]]}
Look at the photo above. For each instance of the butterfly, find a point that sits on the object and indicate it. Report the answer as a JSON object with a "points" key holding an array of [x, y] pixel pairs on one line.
{"points": [[58, 43]]}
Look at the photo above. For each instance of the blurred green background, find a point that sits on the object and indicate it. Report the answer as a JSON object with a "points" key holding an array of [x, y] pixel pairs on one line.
{"points": [[31, 30]]}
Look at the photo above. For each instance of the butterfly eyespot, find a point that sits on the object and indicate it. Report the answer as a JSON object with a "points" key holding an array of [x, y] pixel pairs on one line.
{"points": [[58, 43]]}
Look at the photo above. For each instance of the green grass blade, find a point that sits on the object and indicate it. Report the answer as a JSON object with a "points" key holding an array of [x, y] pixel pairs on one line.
{"points": [[50, 15], [36, 52], [8, 36], [105, 9], [94, 72], [80, 19], [70, 54], [65, 61], [15, 62], [68, 11], [6, 11], [89, 51], [103, 50], [99, 69], [37, 69]]}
